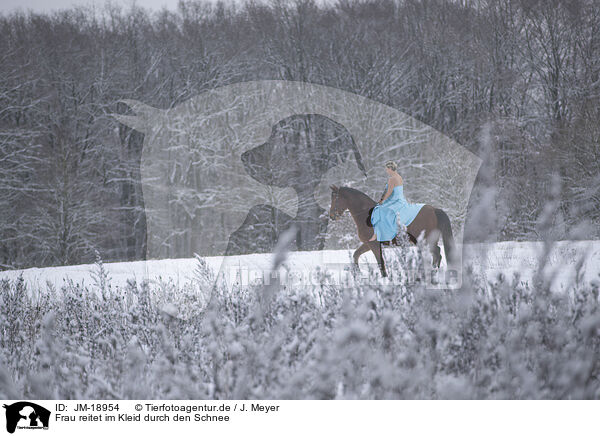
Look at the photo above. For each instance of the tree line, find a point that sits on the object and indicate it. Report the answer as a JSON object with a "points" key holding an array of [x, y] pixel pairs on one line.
{"points": [[529, 70]]}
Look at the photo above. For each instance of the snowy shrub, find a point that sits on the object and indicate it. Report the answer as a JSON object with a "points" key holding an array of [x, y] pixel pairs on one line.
{"points": [[503, 339]]}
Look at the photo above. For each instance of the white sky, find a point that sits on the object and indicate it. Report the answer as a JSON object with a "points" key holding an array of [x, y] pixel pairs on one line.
{"points": [[49, 5], [7, 6]]}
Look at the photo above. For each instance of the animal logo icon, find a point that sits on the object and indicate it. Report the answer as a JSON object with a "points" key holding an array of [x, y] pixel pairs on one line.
{"points": [[25, 414]]}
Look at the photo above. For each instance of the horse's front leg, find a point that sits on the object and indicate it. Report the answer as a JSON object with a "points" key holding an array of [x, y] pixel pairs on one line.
{"points": [[375, 247], [359, 252]]}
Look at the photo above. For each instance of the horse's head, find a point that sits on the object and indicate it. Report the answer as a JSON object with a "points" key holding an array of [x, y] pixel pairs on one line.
{"points": [[338, 203]]}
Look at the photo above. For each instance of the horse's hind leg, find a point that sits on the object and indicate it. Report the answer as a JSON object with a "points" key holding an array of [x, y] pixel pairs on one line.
{"points": [[359, 252], [437, 255], [432, 239]]}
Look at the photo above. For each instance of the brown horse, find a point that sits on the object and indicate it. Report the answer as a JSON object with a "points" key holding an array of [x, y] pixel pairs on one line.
{"points": [[429, 220]]}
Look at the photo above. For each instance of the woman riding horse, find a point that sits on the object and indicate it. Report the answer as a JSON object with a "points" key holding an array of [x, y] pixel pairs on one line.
{"points": [[377, 222]]}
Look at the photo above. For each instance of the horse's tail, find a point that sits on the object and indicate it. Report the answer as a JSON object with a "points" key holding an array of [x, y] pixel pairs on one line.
{"points": [[446, 229]]}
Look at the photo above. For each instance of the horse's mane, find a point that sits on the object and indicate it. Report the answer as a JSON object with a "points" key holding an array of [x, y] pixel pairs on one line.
{"points": [[356, 192]]}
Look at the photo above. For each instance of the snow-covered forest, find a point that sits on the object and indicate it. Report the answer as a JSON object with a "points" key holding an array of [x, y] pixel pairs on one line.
{"points": [[69, 173]]}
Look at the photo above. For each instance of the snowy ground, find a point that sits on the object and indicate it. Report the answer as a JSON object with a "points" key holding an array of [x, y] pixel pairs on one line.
{"points": [[487, 261], [568, 261], [355, 342]]}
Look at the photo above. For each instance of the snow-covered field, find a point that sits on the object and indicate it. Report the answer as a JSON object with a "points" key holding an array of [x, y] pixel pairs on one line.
{"points": [[487, 260], [503, 339], [566, 262]]}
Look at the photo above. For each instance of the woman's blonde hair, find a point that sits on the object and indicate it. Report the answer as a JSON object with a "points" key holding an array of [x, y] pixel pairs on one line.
{"points": [[391, 165]]}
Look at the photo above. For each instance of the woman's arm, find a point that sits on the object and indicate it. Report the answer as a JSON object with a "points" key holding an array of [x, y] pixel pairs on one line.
{"points": [[391, 186]]}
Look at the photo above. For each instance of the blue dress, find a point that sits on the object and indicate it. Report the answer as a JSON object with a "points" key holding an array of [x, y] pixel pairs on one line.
{"points": [[384, 215]]}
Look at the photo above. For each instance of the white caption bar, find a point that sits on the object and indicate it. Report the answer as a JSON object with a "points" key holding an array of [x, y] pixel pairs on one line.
{"points": [[152, 417]]}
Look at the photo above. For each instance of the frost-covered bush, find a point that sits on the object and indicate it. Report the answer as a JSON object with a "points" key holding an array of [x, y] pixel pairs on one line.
{"points": [[497, 340]]}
